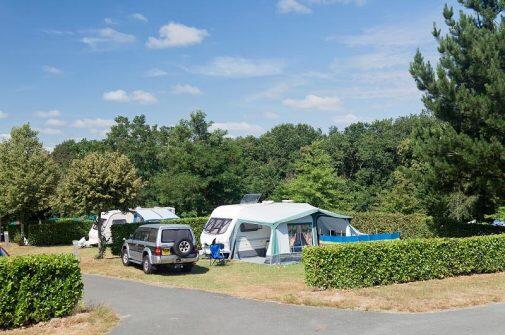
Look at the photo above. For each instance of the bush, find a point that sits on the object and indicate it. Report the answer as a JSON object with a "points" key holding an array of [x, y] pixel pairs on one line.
{"points": [[417, 226], [382, 263], [120, 231], [37, 288], [57, 233]]}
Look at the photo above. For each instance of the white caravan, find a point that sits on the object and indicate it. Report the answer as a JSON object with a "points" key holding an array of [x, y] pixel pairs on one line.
{"points": [[271, 232], [138, 214]]}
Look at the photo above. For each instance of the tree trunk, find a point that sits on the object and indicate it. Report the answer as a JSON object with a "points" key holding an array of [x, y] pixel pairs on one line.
{"points": [[22, 226], [102, 242]]}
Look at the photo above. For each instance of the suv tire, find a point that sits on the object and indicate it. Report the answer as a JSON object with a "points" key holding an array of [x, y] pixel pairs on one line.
{"points": [[183, 247], [147, 266], [124, 257], [187, 267]]}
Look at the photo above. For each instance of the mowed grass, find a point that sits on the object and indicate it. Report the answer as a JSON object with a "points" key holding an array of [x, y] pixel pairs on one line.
{"points": [[286, 284], [85, 321]]}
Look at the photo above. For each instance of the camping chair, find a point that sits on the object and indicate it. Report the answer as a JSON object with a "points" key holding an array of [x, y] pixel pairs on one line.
{"points": [[216, 254]]}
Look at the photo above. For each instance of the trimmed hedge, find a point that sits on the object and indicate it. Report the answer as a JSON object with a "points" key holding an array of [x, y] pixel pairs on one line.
{"points": [[417, 226], [121, 231], [382, 263], [37, 288], [61, 232]]}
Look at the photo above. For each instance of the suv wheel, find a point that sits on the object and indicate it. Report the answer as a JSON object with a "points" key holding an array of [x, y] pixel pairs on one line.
{"points": [[147, 266], [187, 267], [124, 257], [183, 247]]}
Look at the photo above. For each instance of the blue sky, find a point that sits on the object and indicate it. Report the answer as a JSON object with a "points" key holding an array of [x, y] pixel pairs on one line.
{"points": [[70, 67]]}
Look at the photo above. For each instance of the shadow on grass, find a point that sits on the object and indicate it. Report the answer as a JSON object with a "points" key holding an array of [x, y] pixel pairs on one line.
{"points": [[168, 270]]}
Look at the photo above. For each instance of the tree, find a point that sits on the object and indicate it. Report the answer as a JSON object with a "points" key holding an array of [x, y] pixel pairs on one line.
{"points": [[97, 183], [27, 177], [315, 181], [464, 153], [201, 168], [68, 150], [268, 160]]}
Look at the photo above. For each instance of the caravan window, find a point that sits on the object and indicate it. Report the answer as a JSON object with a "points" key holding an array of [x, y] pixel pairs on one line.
{"points": [[245, 227], [217, 225], [119, 221]]}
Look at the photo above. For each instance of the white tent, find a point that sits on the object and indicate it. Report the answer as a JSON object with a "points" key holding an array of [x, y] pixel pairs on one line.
{"points": [[135, 215], [276, 231]]}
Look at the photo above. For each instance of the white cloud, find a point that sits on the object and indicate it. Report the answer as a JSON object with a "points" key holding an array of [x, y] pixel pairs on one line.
{"points": [[116, 96], [273, 92], [236, 67], [312, 101], [55, 123], [345, 120], [99, 132], [139, 96], [4, 137], [107, 38], [343, 2], [373, 60], [238, 127], [270, 115], [155, 72], [93, 123], [57, 32], [48, 114], [139, 17], [110, 22], [292, 6], [3, 115], [52, 70], [143, 97], [50, 131], [185, 89], [176, 35]]}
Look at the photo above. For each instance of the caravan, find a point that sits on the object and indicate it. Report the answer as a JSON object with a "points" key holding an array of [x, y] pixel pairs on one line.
{"points": [[136, 215], [271, 232]]}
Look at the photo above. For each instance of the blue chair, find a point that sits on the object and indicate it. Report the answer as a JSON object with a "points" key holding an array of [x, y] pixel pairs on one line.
{"points": [[216, 254]]}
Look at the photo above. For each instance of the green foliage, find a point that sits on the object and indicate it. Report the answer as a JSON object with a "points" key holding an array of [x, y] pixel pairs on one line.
{"points": [[315, 181], [382, 263], [37, 288], [464, 154], [409, 226], [27, 176], [201, 168], [58, 233], [124, 231], [269, 159]]}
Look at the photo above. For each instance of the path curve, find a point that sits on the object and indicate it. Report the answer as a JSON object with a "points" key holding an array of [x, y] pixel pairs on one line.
{"points": [[148, 309]]}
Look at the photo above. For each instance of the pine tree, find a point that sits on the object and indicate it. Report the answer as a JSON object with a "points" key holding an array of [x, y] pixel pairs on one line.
{"points": [[464, 154]]}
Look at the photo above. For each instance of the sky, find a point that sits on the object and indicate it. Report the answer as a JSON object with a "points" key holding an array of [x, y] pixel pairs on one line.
{"points": [[70, 67]]}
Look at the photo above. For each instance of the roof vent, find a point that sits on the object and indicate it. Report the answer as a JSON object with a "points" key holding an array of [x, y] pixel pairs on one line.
{"points": [[267, 202], [252, 198], [288, 201]]}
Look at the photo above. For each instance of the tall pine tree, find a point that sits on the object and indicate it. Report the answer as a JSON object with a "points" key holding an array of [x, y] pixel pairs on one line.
{"points": [[464, 154]]}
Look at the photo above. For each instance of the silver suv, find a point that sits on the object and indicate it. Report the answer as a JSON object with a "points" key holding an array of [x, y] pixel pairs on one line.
{"points": [[155, 245]]}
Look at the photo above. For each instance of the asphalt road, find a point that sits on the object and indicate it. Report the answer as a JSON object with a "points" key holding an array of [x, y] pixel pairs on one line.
{"points": [[146, 309]]}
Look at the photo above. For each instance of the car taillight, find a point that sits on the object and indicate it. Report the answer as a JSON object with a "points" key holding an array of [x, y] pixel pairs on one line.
{"points": [[157, 251]]}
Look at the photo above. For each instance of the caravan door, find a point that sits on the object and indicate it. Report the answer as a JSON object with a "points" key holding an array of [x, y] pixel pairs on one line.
{"points": [[300, 235]]}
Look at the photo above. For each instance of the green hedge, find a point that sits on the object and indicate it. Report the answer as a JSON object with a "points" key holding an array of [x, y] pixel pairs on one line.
{"points": [[417, 226], [121, 231], [61, 232], [37, 288], [382, 263]]}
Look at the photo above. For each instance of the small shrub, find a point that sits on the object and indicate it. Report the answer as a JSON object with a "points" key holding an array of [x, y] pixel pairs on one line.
{"points": [[382, 263], [57, 233], [37, 288], [121, 231]]}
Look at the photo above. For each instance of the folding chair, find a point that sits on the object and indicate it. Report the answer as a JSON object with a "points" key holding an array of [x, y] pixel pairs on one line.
{"points": [[216, 254]]}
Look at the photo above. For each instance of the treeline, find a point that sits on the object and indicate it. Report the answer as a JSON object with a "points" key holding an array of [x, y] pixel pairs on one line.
{"points": [[195, 169]]}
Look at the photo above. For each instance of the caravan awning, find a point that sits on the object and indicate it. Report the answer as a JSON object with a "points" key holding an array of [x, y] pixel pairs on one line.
{"points": [[155, 213], [275, 213]]}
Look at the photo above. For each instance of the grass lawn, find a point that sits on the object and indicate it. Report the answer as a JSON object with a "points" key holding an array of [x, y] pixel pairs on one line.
{"points": [[286, 284], [85, 321]]}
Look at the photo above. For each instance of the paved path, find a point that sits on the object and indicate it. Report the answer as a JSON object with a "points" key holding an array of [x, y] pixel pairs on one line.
{"points": [[146, 309]]}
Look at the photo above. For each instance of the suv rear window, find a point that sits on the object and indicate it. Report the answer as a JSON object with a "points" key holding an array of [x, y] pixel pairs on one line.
{"points": [[217, 225], [173, 235]]}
